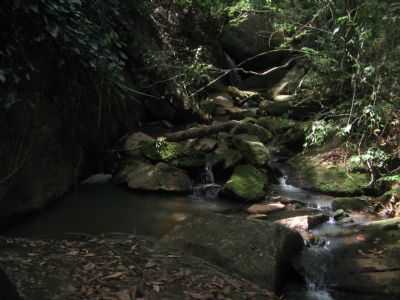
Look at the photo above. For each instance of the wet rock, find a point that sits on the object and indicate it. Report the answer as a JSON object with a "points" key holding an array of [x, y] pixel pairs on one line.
{"points": [[252, 149], [246, 183], [258, 251], [207, 191], [160, 177], [265, 208], [303, 223], [350, 203]]}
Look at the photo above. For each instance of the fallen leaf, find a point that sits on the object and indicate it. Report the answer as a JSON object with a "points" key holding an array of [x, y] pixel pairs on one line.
{"points": [[114, 275]]}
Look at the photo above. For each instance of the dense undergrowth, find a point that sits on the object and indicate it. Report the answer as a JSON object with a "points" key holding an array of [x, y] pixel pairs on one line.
{"points": [[349, 51], [351, 58]]}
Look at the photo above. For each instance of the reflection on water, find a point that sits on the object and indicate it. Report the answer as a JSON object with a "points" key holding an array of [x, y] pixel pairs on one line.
{"points": [[102, 207]]}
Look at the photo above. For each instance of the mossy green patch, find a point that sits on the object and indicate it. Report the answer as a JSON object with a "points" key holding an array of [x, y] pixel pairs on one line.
{"points": [[162, 150], [247, 183], [253, 150], [328, 178]]}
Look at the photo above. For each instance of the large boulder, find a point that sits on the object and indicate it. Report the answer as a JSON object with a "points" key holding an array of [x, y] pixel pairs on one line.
{"points": [[319, 171], [134, 143], [369, 263], [246, 183], [139, 175], [350, 203], [96, 268], [241, 42], [257, 250], [252, 149]]}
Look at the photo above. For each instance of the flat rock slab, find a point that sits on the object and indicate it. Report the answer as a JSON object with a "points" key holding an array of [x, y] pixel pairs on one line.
{"points": [[118, 268], [369, 275], [303, 223], [265, 208], [260, 251], [369, 264]]}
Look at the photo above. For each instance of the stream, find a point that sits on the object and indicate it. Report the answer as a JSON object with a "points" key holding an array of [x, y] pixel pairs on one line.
{"points": [[97, 206]]}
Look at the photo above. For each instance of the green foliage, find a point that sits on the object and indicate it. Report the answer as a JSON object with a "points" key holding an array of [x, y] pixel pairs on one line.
{"points": [[318, 132], [76, 33], [233, 10], [390, 178], [372, 157]]}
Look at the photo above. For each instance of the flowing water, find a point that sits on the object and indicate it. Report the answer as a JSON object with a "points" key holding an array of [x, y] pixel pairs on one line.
{"points": [[317, 262], [97, 206]]}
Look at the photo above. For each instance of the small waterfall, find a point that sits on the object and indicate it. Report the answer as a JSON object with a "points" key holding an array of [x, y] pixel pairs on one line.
{"points": [[208, 175], [207, 189], [234, 76]]}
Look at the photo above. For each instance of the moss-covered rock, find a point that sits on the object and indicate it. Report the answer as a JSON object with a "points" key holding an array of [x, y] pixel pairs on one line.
{"points": [[253, 150], [350, 203], [246, 183], [315, 171], [134, 143], [251, 128]]}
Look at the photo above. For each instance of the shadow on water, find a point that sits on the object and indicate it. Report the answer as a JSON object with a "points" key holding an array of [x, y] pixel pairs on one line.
{"points": [[98, 207]]}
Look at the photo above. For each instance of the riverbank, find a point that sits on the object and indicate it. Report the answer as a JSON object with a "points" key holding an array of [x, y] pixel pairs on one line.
{"points": [[118, 267]]}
